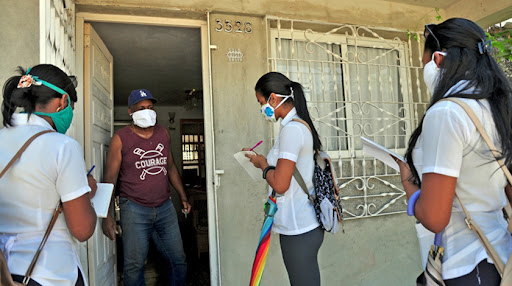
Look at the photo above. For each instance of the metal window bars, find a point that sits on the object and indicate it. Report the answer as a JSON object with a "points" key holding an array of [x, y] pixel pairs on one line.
{"points": [[358, 81]]}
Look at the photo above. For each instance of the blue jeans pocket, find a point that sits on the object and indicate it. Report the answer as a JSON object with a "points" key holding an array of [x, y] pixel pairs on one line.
{"points": [[123, 201]]}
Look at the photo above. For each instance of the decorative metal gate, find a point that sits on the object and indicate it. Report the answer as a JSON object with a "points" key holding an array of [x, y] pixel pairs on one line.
{"points": [[57, 43], [58, 25], [358, 81]]}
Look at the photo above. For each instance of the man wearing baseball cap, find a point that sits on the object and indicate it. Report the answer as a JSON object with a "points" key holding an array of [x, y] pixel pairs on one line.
{"points": [[140, 161]]}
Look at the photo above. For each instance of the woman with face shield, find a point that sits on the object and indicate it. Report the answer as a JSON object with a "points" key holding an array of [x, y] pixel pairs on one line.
{"points": [[447, 155], [49, 171], [295, 220]]}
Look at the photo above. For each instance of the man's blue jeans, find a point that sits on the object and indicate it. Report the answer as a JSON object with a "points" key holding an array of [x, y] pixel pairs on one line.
{"points": [[139, 225]]}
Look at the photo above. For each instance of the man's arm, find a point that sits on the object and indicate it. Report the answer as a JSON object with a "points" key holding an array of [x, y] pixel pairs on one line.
{"points": [[113, 160], [110, 174], [175, 179]]}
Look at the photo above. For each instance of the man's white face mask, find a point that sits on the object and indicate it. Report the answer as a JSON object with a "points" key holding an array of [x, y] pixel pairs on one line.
{"points": [[144, 118], [431, 73]]}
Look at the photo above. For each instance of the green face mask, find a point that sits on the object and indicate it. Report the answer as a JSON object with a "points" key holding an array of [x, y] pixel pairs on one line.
{"points": [[61, 119]]}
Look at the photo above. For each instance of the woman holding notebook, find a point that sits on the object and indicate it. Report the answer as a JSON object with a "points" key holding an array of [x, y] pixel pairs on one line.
{"points": [[447, 155], [300, 234], [49, 171]]}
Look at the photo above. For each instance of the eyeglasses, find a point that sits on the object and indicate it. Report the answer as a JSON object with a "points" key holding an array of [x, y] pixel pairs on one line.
{"points": [[428, 31]]}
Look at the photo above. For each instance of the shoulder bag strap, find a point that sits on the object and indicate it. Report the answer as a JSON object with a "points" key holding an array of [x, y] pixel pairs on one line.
{"points": [[500, 266], [302, 184], [484, 135], [56, 212], [494, 150], [22, 149], [303, 122], [296, 173]]}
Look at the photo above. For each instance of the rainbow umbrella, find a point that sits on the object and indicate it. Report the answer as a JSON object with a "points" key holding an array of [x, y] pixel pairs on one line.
{"points": [[261, 252]]}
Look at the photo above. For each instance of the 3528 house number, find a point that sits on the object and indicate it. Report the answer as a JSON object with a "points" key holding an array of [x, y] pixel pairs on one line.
{"points": [[236, 26]]}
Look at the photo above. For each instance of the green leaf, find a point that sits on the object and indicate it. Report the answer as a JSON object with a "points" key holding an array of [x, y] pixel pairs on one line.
{"points": [[499, 45]]}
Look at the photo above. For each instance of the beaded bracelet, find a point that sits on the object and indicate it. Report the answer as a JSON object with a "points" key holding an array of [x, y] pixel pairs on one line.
{"points": [[412, 202]]}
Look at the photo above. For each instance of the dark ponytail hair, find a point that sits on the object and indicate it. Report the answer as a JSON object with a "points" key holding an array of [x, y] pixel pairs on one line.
{"points": [[460, 39], [27, 98], [274, 82]]}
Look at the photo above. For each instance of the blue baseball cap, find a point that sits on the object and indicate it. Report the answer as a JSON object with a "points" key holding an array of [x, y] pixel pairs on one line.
{"points": [[139, 95]]}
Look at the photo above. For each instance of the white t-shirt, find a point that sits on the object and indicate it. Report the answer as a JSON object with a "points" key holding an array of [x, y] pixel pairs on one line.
{"points": [[450, 145], [295, 213], [52, 168]]}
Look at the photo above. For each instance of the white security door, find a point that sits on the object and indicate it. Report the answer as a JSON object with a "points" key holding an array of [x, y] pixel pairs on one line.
{"points": [[98, 117]]}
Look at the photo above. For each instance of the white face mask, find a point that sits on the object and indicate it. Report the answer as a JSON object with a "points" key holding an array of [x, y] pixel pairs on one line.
{"points": [[269, 112], [431, 73], [144, 118]]}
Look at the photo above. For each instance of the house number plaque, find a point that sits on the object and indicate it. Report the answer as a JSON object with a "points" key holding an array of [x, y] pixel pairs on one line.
{"points": [[229, 26]]}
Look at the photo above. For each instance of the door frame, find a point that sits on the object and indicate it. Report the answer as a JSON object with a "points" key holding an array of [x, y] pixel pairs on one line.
{"points": [[93, 106], [83, 17]]}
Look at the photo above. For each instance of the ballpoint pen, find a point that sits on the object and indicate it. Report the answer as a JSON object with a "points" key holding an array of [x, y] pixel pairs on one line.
{"points": [[92, 168], [256, 145]]}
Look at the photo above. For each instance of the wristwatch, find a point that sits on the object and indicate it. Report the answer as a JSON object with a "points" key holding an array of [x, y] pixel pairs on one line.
{"points": [[266, 170]]}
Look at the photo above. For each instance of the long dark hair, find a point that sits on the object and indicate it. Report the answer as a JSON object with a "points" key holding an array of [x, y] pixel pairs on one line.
{"points": [[274, 82], [27, 98], [460, 39]]}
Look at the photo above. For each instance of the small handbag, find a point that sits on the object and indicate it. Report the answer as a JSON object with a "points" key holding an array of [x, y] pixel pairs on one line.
{"points": [[505, 271], [5, 275]]}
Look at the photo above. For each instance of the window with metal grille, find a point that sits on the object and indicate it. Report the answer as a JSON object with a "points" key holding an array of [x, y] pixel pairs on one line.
{"points": [[357, 84]]}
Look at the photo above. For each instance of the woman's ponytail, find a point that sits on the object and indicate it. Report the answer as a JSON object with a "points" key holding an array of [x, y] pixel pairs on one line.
{"points": [[14, 97], [8, 106], [28, 97], [302, 111]]}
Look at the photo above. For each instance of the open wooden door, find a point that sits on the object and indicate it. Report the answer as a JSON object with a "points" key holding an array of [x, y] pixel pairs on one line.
{"points": [[98, 118]]}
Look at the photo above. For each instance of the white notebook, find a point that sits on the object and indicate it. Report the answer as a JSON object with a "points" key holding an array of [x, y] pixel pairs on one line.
{"points": [[255, 173], [101, 199], [380, 152]]}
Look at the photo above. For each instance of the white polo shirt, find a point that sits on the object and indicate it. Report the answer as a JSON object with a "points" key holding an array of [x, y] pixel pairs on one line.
{"points": [[450, 145], [52, 168], [295, 214]]}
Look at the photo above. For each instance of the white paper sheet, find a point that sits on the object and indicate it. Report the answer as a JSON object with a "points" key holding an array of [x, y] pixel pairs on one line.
{"points": [[101, 199], [254, 172], [380, 152]]}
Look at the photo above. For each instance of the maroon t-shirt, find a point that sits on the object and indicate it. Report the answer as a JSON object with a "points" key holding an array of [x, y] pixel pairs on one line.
{"points": [[143, 173]]}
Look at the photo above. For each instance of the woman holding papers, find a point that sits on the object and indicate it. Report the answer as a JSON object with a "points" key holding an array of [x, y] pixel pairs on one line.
{"points": [[447, 155], [50, 170], [300, 233]]}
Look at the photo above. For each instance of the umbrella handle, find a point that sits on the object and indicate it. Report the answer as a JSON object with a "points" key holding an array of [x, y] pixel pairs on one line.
{"points": [[438, 239]]}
